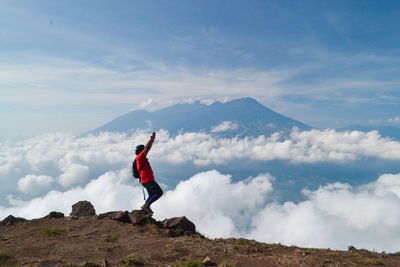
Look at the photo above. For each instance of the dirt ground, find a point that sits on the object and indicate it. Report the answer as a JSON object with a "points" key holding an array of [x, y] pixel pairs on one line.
{"points": [[88, 241]]}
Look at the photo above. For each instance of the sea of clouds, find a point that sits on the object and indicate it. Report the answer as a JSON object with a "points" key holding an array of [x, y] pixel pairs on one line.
{"points": [[52, 172]]}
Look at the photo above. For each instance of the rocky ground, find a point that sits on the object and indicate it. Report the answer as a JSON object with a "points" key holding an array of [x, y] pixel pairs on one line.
{"points": [[106, 240]]}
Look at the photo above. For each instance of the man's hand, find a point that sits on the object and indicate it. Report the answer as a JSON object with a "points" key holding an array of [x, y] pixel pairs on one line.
{"points": [[149, 143]]}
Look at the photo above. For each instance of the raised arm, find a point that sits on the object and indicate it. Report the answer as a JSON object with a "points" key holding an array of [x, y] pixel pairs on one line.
{"points": [[149, 143]]}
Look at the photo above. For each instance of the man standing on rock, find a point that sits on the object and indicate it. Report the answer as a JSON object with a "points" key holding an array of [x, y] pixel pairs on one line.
{"points": [[146, 174]]}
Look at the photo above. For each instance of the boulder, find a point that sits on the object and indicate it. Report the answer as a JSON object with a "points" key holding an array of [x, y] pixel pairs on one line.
{"points": [[179, 223], [138, 217], [55, 215], [351, 249], [83, 208], [106, 215], [10, 220], [121, 216]]}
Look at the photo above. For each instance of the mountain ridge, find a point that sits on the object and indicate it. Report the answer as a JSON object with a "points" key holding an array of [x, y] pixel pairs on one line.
{"points": [[248, 116]]}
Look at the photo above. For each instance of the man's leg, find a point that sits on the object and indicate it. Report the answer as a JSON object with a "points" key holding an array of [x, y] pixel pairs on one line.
{"points": [[155, 192]]}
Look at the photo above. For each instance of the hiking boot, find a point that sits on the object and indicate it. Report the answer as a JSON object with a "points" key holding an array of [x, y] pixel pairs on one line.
{"points": [[146, 208]]}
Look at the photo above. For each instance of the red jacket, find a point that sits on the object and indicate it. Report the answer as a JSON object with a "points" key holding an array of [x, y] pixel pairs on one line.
{"points": [[146, 174]]}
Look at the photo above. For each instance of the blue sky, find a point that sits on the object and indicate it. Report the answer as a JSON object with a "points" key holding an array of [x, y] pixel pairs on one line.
{"points": [[71, 66]]}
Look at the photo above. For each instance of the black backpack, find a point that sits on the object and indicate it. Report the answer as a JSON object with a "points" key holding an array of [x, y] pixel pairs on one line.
{"points": [[135, 171]]}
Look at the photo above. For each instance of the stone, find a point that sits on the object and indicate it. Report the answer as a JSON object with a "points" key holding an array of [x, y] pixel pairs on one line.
{"points": [[104, 263], [49, 263], [138, 217], [207, 262], [83, 208], [179, 223], [55, 215], [121, 216], [351, 249], [10, 220], [106, 215]]}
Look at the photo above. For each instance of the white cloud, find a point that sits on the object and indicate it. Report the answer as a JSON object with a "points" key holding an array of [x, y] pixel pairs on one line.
{"points": [[96, 83], [386, 183], [217, 205], [308, 146], [74, 174], [33, 184], [394, 120], [70, 160], [113, 190], [75, 160], [224, 126], [334, 216], [147, 103]]}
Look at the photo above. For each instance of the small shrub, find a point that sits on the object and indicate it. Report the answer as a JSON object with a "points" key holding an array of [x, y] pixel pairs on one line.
{"points": [[374, 262], [4, 256], [111, 238], [132, 260], [52, 231], [178, 231], [109, 247], [189, 263]]}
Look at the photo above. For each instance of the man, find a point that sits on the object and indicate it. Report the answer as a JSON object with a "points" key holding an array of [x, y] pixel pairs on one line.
{"points": [[146, 174]]}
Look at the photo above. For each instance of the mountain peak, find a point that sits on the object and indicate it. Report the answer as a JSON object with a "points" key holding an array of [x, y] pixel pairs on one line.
{"points": [[248, 100], [249, 117]]}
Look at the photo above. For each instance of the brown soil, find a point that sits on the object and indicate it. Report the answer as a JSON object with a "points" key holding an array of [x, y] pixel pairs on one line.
{"points": [[88, 240]]}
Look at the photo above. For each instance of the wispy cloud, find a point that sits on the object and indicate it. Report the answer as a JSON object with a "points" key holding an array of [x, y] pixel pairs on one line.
{"points": [[54, 81], [224, 126], [394, 120]]}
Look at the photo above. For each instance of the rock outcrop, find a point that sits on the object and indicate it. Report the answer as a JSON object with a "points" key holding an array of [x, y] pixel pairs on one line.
{"points": [[83, 208], [351, 249], [138, 217], [181, 224], [121, 216], [55, 215], [10, 220], [106, 215], [177, 225]]}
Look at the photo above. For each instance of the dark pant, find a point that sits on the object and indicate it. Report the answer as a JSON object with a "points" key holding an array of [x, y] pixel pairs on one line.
{"points": [[154, 190]]}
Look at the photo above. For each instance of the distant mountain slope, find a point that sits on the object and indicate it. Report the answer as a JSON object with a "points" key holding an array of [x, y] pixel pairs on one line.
{"points": [[242, 117], [385, 130]]}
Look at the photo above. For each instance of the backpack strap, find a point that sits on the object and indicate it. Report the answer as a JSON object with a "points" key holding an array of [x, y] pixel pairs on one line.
{"points": [[140, 178]]}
